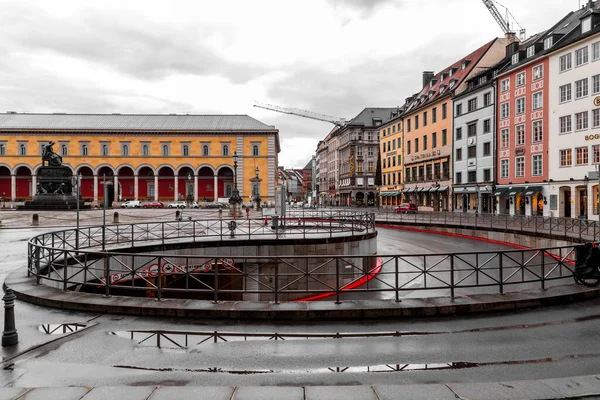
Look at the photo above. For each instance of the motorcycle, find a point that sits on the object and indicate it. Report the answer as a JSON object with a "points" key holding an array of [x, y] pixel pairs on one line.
{"points": [[587, 265]]}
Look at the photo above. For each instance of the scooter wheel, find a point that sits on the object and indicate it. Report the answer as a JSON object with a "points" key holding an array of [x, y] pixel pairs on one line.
{"points": [[589, 282]]}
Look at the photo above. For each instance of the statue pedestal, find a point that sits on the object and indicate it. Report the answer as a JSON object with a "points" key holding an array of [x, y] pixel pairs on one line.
{"points": [[54, 191]]}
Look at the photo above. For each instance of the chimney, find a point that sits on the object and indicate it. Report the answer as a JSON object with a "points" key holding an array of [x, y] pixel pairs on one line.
{"points": [[511, 37], [427, 76]]}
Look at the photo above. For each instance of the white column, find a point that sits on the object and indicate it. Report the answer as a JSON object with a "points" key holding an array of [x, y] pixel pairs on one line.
{"points": [[176, 187], [135, 186], [195, 187], [95, 187], [216, 187], [574, 211], [13, 187], [33, 185], [155, 187], [528, 205], [116, 188]]}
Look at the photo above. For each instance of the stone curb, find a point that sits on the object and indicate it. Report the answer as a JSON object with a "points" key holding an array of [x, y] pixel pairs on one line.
{"points": [[26, 290]]}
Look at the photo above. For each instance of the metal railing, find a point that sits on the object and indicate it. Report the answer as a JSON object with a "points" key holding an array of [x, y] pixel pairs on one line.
{"points": [[94, 268], [569, 228]]}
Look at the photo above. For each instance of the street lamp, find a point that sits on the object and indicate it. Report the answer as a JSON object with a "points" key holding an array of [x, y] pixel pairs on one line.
{"points": [[257, 194], [235, 199], [189, 188]]}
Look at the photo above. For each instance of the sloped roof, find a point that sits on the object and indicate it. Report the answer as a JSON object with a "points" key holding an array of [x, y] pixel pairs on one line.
{"points": [[132, 122], [431, 93], [367, 116]]}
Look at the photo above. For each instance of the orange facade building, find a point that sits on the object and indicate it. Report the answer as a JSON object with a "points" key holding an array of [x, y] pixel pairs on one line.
{"points": [[144, 157]]}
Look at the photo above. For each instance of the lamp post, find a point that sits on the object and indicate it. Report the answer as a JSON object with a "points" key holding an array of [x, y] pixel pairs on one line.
{"points": [[235, 199], [585, 196], [257, 194], [189, 189]]}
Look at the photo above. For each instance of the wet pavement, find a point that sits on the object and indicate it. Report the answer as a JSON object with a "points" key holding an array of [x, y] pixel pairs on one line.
{"points": [[543, 353]]}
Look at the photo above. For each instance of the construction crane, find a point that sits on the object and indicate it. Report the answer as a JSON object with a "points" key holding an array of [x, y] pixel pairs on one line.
{"points": [[303, 113], [503, 22]]}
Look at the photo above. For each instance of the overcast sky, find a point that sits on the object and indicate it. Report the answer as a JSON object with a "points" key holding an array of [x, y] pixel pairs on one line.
{"points": [[333, 57]]}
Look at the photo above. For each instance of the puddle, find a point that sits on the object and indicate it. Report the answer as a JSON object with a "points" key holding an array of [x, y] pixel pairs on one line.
{"points": [[60, 329]]}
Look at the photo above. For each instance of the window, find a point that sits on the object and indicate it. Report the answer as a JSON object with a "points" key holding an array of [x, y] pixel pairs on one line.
{"points": [[504, 168], [64, 150], [433, 140], [444, 137], [416, 145], [165, 150], [581, 88], [370, 166], [459, 154], [504, 110], [548, 43], [504, 138], [205, 150], [536, 165], [425, 142], [515, 58], [487, 99], [487, 149], [225, 150], [487, 126], [472, 130], [408, 125], [538, 72], [472, 104], [581, 56], [408, 147], [581, 120], [255, 150], [124, 149], [520, 167], [458, 109], [582, 156], [444, 110], [370, 151], [520, 135], [565, 62], [416, 122], [596, 118], [596, 51], [458, 178], [596, 84], [520, 105], [520, 79], [472, 176], [530, 51], [565, 93], [145, 150], [472, 151], [537, 101], [104, 150], [487, 175], [538, 132], [565, 124], [84, 150], [505, 85], [185, 150], [596, 151], [566, 158], [458, 133], [2, 149], [425, 118], [434, 115]]}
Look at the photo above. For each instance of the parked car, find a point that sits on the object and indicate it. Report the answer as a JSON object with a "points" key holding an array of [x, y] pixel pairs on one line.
{"points": [[177, 204], [153, 204], [216, 204], [131, 204], [407, 208]]}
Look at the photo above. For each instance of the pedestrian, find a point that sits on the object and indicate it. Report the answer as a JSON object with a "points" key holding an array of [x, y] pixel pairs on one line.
{"points": [[247, 212]]}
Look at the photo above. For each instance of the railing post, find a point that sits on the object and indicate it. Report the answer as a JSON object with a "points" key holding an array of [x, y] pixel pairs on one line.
{"points": [[452, 276], [276, 281], [65, 256], [106, 275], [337, 281], [158, 295], [397, 281], [216, 275], [500, 273], [132, 233], [37, 264], [162, 227], [543, 269]]}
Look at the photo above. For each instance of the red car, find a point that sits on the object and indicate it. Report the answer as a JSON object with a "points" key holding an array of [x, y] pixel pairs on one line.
{"points": [[154, 204], [407, 208]]}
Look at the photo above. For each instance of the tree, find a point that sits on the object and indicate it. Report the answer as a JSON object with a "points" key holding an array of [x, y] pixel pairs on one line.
{"points": [[378, 168]]}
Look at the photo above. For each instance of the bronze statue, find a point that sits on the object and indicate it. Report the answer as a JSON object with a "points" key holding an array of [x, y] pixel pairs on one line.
{"points": [[50, 156]]}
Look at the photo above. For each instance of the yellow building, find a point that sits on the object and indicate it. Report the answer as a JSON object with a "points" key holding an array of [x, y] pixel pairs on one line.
{"points": [[145, 157], [391, 143]]}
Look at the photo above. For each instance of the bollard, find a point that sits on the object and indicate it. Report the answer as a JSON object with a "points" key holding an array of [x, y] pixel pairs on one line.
{"points": [[9, 336], [116, 218], [35, 220]]}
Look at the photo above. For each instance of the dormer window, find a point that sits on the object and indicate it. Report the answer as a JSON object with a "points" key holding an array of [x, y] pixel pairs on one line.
{"points": [[443, 76], [530, 51], [482, 80], [432, 83], [465, 63], [548, 43], [452, 83], [515, 59], [586, 24]]}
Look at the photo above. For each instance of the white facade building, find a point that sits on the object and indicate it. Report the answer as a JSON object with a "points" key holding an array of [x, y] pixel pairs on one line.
{"points": [[575, 126]]}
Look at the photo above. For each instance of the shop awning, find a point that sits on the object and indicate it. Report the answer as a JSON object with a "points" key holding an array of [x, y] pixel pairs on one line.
{"points": [[409, 190], [500, 191], [419, 189], [531, 190], [515, 190], [443, 188]]}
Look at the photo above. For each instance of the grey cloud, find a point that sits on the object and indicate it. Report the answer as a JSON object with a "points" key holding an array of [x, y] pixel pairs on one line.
{"points": [[366, 7]]}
